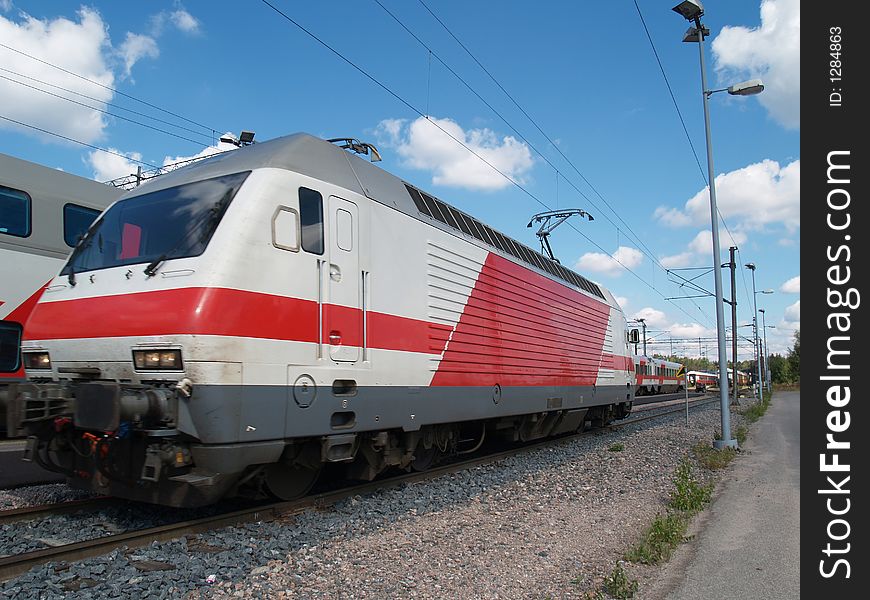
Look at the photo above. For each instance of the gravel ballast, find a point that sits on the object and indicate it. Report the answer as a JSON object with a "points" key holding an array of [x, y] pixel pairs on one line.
{"points": [[548, 523]]}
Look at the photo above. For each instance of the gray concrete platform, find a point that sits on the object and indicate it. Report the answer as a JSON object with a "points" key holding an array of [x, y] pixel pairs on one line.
{"points": [[748, 541]]}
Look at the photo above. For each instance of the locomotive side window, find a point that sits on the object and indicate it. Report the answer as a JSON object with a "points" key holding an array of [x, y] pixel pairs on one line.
{"points": [[311, 216], [14, 212], [76, 220], [285, 229]]}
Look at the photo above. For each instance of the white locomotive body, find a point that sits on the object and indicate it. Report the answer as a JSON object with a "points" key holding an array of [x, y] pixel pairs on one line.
{"points": [[249, 318]]}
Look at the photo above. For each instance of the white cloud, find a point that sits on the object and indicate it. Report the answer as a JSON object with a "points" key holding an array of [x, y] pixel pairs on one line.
{"points": [[111, 166], [792, 286], [792, 316], [184, 21], [654, 318], [770, 51], [610, 264], [5, 5], [51, 41], [178, 18], [422, 145], [676, 261], [622, 301], [690, 330], [699, 252], [748, 198], [216, 149], [81, 46], [135, 48]]}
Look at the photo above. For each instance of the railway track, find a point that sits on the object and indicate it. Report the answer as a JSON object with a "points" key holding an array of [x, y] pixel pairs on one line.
{"points": [[10, 566]]}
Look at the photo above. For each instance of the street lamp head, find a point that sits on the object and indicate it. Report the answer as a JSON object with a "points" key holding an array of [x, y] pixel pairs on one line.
{"points": [[768, 291], [750, 266], [689, 9], [746, 88]]}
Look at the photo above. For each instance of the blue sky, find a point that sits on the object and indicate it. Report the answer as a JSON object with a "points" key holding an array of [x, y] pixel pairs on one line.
{"points": [[585, 73]]}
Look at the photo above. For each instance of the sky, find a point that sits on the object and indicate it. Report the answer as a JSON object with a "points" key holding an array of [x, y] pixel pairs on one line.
{"points": [[556, 104]]}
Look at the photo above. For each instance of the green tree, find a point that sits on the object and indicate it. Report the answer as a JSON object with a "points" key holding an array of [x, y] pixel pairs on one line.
{"points": [[779, 369], [794, 357]]}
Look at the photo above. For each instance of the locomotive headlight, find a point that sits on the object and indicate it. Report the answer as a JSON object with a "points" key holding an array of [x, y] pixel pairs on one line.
{"points": [[37, 360], [153, 360]]}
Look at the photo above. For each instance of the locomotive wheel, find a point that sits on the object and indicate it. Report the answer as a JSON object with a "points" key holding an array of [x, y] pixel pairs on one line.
{"points": [[289, 482], [423, 458]]}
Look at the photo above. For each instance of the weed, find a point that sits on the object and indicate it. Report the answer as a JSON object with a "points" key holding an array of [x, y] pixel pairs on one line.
{"points": [[741, 434], [619, 586], [711, 458], [757, 410], [617, 447], [659, 541], [689, 495]]}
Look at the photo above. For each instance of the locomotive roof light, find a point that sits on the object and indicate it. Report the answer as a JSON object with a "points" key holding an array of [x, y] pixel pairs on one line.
{"points": [[245, 138]]}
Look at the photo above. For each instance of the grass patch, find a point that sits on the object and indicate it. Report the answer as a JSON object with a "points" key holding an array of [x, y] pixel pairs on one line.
{"points": [[618, 585], [714, 459], [617, 447], [688, 495], [659, 541], [757, 410], [741, 434], [669, 530]]}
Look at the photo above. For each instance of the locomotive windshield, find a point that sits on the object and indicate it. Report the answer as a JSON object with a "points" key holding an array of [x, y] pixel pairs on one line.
{"points": [[175, 222]]}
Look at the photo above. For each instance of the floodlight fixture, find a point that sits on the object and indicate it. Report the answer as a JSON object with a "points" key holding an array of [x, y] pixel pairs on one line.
{"points": [[246, 138], [746, 88], [690, 10]]}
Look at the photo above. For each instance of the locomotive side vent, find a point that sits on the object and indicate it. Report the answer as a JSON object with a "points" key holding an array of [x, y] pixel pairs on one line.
{"points": [[458, 220]]}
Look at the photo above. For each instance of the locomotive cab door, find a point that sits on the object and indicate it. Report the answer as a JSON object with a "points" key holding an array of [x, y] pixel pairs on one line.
{"points": [[343, 327]]}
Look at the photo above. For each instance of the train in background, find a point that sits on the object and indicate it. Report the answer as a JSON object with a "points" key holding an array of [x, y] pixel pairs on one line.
{"points": [[237, 324], [656, 376], [43, 213], [703, 380]]}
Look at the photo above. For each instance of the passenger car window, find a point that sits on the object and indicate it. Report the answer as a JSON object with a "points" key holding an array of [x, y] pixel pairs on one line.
{"points": [[311, 216], [76, 220], [10, 346], [14, 212]]}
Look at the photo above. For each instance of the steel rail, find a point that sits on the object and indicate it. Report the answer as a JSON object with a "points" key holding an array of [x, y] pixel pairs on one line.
{"points": [[30, 513], [10, 566]]}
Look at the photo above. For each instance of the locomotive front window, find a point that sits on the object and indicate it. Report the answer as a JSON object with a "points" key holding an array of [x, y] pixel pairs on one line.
{"points": [[172, 223]]}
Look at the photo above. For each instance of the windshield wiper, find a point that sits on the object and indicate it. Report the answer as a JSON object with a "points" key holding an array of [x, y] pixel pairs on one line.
{"points": [[152, 267]]}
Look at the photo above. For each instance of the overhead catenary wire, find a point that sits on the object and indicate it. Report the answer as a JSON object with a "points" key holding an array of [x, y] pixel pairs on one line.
{"points": [[111, 89], [112, 104], [75, 141], [645, 249], [680, 115], [411, 107], [105, 112]]}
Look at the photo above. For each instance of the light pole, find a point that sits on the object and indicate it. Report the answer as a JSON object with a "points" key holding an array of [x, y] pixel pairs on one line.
{"points": [[764, 327], [692, 10], [760, 386], [643, 324]]}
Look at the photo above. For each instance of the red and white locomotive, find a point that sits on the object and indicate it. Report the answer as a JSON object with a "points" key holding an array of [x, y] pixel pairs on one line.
{"points": [[656, 376], [240, 322]]}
